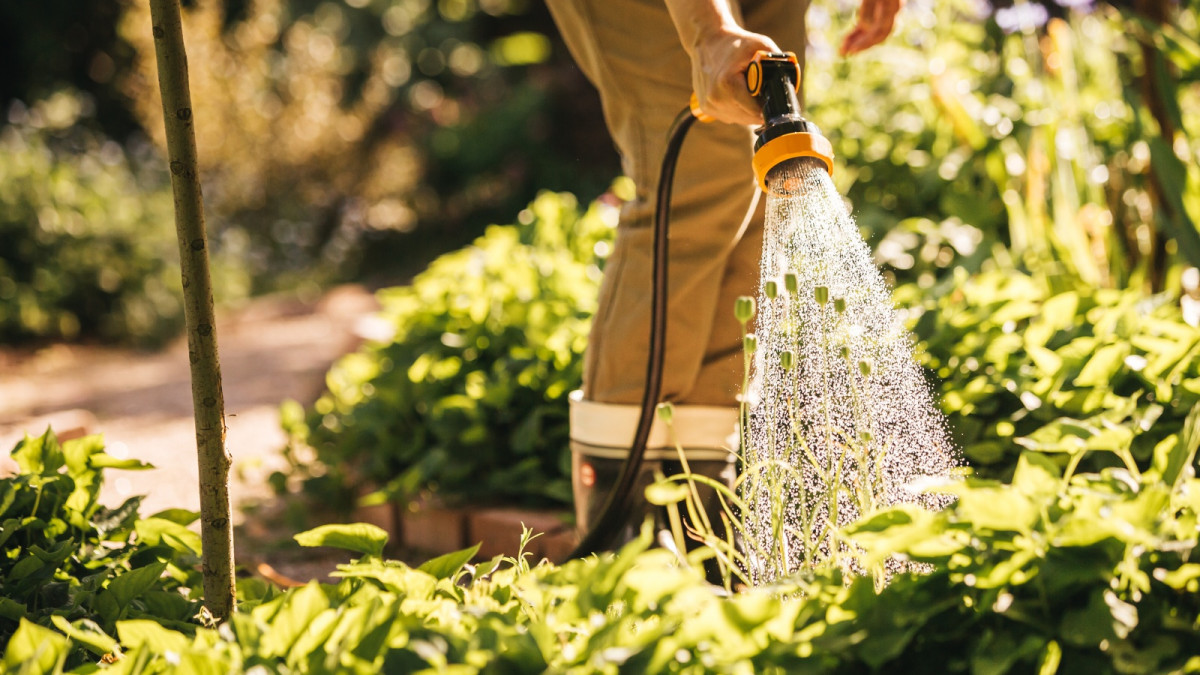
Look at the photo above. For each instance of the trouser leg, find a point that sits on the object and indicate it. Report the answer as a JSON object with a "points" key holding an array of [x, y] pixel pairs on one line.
{"points": [[630, 51]]}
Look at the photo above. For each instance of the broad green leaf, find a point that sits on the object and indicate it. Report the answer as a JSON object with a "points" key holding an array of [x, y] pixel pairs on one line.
{"points": [[183, 517], [1047, 362], [297, 609], [11, 609], [146, 633], [448, 565], [135, 582], [1036, 475], [39, 456], [77, 452], [156, 531], [104, 460], [1001, 508], [1103, 366], [37, 647], [88, 634], [1174, 453], [359, 537]]}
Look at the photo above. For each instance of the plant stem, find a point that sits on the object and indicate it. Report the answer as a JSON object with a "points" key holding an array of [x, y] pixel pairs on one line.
{"points": [[216, 530]]}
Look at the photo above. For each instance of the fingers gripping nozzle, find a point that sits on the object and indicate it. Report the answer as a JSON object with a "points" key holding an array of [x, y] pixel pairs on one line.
{"points": [[773, 79]]}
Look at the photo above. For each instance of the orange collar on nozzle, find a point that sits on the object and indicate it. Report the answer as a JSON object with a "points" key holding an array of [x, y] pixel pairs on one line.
{"points": [[773, 79]]}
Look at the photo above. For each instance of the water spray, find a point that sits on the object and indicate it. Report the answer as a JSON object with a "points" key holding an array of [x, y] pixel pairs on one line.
{"points": [[785, 139]]}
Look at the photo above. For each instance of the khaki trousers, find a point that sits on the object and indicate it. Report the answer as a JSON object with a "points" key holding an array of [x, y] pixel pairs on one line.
{"points": [[630, 51]]}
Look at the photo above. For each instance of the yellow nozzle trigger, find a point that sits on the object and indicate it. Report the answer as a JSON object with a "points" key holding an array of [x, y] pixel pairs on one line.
{"points": [[697, 112], [754, 78]]}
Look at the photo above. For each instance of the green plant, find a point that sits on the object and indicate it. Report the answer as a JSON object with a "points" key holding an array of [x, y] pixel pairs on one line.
{"points": [[1059, 366], [468, 399], [956, 138], [85, 231], [1053, 573], [70, 563]]}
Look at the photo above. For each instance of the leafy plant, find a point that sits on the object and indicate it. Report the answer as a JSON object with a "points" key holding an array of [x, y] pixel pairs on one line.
{"points": [[1059, 366], [85, 231], [1053, 573], [469, 397], [79, 567]]}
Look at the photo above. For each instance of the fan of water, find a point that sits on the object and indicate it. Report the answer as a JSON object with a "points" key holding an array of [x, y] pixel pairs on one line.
{"points": [[841, 418]]}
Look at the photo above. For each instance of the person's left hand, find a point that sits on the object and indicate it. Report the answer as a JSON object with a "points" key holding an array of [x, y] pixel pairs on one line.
{"points": [[875, 21]]}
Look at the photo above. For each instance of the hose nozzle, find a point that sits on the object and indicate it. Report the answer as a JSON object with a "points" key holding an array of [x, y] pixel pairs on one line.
{"points": [[785, 137]]}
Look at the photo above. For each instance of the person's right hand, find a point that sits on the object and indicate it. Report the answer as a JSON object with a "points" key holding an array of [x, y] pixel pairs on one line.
{"points": [[719, 62]]}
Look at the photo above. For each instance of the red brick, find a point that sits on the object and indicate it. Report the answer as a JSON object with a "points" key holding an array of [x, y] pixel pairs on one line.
{"points": [[432, 529], [498, 531]]}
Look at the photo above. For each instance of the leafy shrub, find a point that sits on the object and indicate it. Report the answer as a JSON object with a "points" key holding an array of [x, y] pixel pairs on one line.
{"points": [[1060, 366], [469, 398], [86, 232], [70, 563], [1051, 573]]}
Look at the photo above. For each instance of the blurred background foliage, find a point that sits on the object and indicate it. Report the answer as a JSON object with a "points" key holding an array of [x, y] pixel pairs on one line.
{"points": [[339, 140]]}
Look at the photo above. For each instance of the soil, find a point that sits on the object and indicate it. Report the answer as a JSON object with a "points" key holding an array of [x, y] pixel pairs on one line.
{"points": [[271, 349]]}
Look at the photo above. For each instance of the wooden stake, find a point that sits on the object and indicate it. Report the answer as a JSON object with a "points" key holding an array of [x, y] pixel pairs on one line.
{"points": [[208, 402]]}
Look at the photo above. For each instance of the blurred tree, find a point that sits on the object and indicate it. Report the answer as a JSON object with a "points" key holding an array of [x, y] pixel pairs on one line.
{"points": [[325, 125]]}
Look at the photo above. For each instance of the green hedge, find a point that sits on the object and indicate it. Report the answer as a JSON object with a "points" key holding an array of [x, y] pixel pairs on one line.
{"points": [[469, 396]]}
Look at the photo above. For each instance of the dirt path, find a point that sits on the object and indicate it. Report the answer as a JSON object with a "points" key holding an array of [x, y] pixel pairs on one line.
{"points": [[271, 350]]}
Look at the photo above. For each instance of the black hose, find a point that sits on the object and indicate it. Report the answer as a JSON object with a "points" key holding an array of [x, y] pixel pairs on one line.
{"points": [[615, 512]]}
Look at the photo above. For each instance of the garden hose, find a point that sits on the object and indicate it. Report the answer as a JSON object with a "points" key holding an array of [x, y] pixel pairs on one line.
{"points": [[773, 79], [615, 511]]}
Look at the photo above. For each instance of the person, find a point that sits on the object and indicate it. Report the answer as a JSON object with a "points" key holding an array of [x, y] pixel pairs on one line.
{"points": [[646, 58]]}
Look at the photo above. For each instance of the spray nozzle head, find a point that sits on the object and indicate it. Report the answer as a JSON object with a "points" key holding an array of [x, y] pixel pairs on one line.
{"points": [[785, 138]]}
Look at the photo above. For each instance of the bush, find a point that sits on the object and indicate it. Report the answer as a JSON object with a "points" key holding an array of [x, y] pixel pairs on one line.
{"points": [[1059, 366], [70, 563], [469, 397], [87, 234]]}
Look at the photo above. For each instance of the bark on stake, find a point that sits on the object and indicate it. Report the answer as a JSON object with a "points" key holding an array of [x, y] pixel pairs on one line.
{"points": [[208, 402]]}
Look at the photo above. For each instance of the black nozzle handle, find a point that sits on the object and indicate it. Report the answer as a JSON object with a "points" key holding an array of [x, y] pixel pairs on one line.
{"points": [[773, 78]]}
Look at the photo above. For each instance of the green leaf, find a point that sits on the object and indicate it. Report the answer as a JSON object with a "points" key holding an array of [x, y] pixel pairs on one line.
{"points": [[1175, 453], [1105, 363], [359, 537], [156, 531], [1036, 474], [296, 611], [36, 647], [39, 456], [135, 582], [1000, 508], [77, 452], [149, 634], [447, 566], [106, 461], [183, 517], [87, 633]]}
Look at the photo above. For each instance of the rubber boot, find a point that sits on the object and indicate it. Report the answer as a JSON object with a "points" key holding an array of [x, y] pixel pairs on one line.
{"points": [[600, 438]]}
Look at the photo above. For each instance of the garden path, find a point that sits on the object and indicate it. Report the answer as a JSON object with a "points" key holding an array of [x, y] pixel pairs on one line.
{"points": [[271, 349]]}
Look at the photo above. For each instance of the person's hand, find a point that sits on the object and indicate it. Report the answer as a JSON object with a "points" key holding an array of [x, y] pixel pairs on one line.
{"points": [[719, 61], [875, 21]]}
